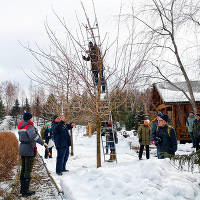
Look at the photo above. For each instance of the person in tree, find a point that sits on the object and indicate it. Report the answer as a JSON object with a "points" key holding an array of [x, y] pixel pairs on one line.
{"points": [[28, 137], [94, 56], [165, 138], [189, 124], [196, 130], [62, 140], [144, 138], [48, 137]]}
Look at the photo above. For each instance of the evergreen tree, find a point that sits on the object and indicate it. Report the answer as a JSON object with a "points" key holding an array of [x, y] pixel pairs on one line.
{"points": [[131, 121], [15, 109], [27, 107], [2, 109]]}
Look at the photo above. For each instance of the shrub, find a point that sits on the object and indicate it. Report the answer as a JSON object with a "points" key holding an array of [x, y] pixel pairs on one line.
{"points": [[8, 154]]}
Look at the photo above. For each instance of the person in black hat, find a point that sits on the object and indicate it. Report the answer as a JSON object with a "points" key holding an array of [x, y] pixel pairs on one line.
{"points": [[165, 138], [62, 140], [196, 130], [94, 55], [28, 137]]}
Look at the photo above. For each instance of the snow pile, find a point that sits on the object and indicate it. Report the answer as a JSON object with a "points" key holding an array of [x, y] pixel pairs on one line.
{"points": [[129, 179]]}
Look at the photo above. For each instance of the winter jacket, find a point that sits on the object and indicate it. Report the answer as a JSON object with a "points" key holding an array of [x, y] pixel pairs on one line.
{"points": [[61, 135], [28, 137], [109, 133], [166, 137], [144, 135], [196, 128], [189, 123], [153, 128], [47, 134]]}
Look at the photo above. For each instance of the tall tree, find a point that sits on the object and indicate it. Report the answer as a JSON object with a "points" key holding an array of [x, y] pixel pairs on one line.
{"points": [[2, 109], [27, 106], [15, 109]]}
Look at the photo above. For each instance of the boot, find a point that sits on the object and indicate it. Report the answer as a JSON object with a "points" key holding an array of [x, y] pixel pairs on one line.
{"points": [[114, 156], [111, 158], [25, 188]]}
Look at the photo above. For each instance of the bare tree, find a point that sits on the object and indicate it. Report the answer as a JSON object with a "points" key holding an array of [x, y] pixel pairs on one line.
{"points": [[168, 27]]}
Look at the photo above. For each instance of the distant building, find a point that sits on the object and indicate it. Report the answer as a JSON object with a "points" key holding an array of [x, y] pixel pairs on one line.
{"points": [[169, 100]]}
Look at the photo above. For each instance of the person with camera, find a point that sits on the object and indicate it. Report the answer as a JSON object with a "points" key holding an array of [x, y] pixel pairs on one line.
{"points": [[196, 131], [62, 140], [144, 138], [165, 138]]}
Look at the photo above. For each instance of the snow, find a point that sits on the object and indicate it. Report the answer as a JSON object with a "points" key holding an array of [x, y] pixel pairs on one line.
{"points": [[128, 179], [5, 125]]}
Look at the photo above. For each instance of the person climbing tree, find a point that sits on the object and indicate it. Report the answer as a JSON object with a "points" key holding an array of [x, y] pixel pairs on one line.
{"points": [[94, 56]]}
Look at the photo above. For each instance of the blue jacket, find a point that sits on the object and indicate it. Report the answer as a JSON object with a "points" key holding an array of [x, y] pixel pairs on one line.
{"points": [[168, 140], [61, 135]]}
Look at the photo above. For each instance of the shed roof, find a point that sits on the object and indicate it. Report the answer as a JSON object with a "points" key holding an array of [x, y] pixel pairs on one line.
{"points": [[170, 94]]}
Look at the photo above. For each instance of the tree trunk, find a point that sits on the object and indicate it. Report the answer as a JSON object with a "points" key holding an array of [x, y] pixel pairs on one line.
{"points": [[98, 141], [72, 144]]}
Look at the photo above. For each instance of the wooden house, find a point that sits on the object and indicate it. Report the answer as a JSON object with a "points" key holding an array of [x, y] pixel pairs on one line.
{"points": [[169, 100]]}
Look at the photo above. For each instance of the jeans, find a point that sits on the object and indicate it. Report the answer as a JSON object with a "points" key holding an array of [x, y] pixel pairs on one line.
{"points": [[62, 157], [96, 79], [193, 139]]}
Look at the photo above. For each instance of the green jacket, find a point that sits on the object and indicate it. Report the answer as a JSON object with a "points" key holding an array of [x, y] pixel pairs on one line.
{"points": [[189, 123], [144, 134], [196, 128]]}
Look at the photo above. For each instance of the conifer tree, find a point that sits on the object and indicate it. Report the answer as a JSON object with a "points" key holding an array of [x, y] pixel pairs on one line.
{"points": [[2, 109], [27, 107], [15, 109]]}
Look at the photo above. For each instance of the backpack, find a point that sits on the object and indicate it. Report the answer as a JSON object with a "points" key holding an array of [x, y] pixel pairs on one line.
{"points": [[42, 132]]}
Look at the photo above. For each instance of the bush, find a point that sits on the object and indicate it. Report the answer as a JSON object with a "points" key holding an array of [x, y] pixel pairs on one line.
{"points": [[8, 154]]}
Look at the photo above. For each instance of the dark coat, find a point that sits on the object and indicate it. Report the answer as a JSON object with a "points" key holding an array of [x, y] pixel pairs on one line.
{"points": [[48, 135], [196, 128], [28, 137], [61, 135], [167, 141]]}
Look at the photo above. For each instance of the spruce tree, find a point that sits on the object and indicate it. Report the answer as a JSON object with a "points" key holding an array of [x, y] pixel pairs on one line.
{"points": [[15, 109], [27, 107], [2, 109]]}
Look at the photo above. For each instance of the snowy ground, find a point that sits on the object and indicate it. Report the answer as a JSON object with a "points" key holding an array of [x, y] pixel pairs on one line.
{"points": [[129, 179]]}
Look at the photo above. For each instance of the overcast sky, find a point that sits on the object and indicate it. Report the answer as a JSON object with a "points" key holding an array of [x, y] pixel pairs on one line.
{"points": [[23, 21]]}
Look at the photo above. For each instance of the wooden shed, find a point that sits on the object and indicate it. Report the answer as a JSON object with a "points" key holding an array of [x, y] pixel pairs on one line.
{"points": [[169, 100]]}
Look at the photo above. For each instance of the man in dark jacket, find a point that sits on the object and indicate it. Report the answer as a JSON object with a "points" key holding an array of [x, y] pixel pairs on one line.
{"points": [[94, 56], [196, 130], [165, 138], [62, 141], [28, 137]]}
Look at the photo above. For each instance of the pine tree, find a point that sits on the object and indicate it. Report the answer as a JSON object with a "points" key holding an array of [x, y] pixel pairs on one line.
{"points": [[131, 121], [2, 109], [15, 109], [27, 107]]}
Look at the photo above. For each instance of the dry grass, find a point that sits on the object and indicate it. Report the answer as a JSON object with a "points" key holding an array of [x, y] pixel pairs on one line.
{"points": [[8, 154]]}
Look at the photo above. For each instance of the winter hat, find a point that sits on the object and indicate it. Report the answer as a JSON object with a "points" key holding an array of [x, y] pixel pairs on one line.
{"points": [[198, 114], [160, 114], [54, 117], [27, 116], [164, 117], [91, 44]]}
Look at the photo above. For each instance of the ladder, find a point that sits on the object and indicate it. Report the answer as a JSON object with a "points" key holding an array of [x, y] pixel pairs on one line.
{"points": [[93, 35]]}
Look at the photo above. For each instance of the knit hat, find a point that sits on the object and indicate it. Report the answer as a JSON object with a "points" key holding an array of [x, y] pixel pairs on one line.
{"points": [[164, 117], [160, 114], [91, 44], [54, 117], [27, 116]]}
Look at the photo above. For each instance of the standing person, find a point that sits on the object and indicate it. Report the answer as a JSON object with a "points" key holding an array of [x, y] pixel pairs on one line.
{"points": [[62, 141], [48, 137], [154, 128], [189, 123], [165, 138], [28, 137], [144, 138], [196, 130], [94, 56]]}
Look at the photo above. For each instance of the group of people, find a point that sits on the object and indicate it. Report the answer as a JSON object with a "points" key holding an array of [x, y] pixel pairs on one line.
{"points": [[161, 134], [29, 136], [164, 136]]}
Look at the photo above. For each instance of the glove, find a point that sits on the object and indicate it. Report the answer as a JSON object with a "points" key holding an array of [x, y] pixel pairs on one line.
{"points": [[152, 142], [84, 58], [140, 140], [73, 124], [45, 145]]}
